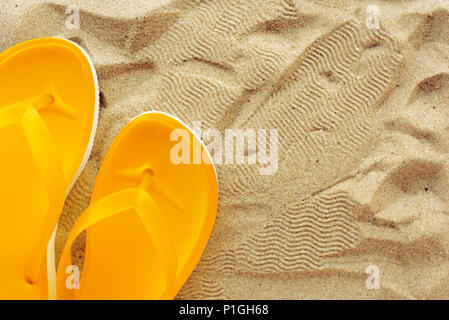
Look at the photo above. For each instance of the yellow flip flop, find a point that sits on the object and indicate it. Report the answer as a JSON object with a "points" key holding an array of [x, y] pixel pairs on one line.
{"points": [[48, 113], [149, 219]]}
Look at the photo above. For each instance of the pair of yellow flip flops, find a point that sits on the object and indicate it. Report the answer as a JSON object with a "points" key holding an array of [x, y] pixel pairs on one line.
{"points": [[149, 219]]}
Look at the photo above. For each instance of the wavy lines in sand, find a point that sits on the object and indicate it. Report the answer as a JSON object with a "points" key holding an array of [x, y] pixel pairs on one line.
{"points": [[259, 66], [235, 185], [302, 236], [324, 108], [197, 288], [210, 30], [196, 97], [328, 97], [222, 262], [215, 265]]}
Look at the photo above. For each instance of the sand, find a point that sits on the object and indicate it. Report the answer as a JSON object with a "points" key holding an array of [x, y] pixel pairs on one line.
{"points": [[362, 116]]}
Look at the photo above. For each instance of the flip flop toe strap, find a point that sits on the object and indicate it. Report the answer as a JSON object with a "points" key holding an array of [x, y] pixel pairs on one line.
{"points": [[139, 201]]}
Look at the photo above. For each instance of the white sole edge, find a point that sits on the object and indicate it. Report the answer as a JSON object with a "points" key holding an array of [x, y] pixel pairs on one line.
{"points": [[51, 259]]}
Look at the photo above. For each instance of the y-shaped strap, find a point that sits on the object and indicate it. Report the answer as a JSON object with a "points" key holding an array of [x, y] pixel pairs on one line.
{"points": [[49, 169], [138, 200]]}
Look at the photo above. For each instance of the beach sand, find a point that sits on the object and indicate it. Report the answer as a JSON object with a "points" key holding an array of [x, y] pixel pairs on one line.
{"points": [[362, 117]]}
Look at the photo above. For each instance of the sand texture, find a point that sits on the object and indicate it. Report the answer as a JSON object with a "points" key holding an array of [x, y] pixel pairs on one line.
{"points": [[362, 116]]}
